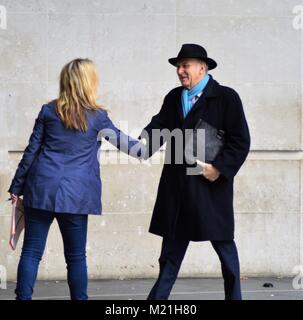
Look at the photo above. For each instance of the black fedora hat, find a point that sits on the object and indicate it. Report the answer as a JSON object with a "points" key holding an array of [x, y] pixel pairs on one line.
{"points": [[191, 50]]}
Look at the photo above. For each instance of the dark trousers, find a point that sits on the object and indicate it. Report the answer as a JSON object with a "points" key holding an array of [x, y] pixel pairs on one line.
{"points": [[172, 254], [73, 228]]}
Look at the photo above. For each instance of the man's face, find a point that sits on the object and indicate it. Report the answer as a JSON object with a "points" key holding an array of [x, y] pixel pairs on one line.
{"points": [[190, 72]]}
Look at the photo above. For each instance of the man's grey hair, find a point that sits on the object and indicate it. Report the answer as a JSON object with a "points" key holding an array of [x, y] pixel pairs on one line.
{"points": [[206, 65]]}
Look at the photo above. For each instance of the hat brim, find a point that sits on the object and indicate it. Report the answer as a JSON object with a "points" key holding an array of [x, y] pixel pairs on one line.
{"points": [[212, 64]]}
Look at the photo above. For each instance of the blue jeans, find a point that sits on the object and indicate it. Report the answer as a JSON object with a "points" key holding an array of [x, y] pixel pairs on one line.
{"points": [[73, 228]]}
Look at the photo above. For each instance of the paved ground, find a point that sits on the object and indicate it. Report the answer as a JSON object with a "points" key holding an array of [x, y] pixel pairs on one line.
{"points": [[184, 289]]}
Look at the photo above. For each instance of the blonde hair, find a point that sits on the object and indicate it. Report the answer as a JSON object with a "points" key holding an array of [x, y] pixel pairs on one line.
{"points": [[78, 93]]}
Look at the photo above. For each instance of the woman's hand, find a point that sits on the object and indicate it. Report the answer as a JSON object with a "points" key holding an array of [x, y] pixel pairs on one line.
{"points": [[14, 198]]}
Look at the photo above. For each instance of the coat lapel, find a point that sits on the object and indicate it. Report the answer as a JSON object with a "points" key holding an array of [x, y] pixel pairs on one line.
{"points": [[179, 106]]}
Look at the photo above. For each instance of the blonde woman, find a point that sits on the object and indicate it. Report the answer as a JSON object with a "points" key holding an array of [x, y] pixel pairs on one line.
{"points": [[59, 175]]}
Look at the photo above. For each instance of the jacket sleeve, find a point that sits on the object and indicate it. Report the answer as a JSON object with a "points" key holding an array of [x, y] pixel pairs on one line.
{"points": [[237, 138], [119, 139], [29, 155], [152, 132]]}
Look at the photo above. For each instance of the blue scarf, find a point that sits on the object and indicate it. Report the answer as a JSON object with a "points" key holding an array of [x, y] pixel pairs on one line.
{"points": [[188, 95]]}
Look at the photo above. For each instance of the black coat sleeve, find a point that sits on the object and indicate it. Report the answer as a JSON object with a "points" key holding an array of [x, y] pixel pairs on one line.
{"points": [[237, 137]]}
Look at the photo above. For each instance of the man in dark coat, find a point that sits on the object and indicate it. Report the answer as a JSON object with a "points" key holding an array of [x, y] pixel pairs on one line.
{"points": [[197, 207]]}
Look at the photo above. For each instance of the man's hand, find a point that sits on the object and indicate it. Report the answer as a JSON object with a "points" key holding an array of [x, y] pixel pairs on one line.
{"points": [[208, 171]]}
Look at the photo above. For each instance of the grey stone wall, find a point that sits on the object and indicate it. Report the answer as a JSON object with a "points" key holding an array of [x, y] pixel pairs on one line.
{"points": [[259, 53]]}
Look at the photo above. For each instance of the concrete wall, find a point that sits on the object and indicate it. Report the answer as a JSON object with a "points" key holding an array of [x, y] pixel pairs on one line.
{"points": [[259, 53]]}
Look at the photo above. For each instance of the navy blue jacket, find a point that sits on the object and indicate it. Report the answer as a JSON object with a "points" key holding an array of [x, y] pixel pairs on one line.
{"points": [[59, 170]]}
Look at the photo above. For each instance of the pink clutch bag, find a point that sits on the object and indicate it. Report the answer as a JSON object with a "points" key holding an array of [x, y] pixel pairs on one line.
{"points": [[17, 222]]}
